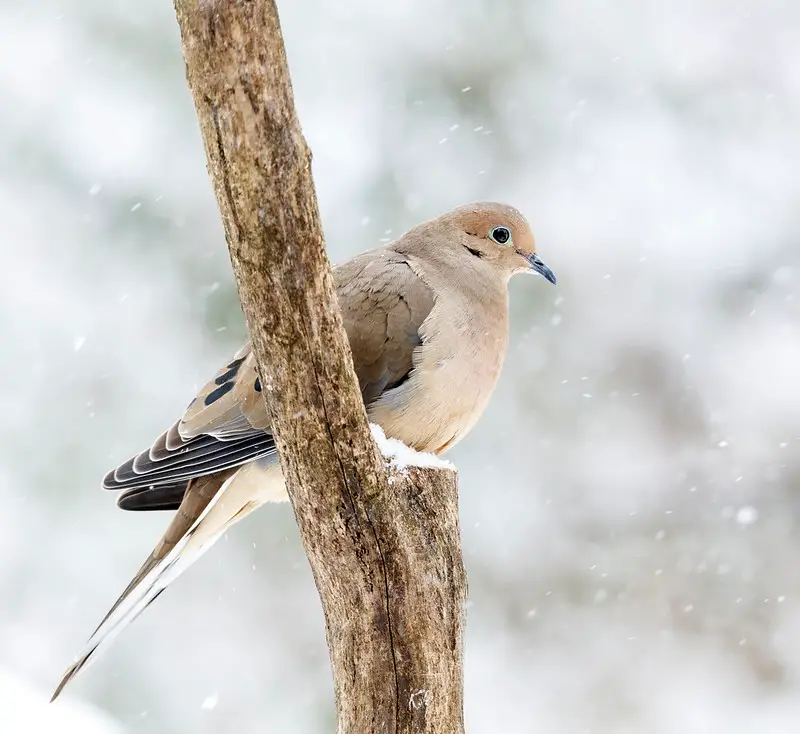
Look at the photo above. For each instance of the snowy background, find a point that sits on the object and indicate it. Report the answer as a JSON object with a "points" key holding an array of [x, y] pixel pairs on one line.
{"points": [[629, 500]]}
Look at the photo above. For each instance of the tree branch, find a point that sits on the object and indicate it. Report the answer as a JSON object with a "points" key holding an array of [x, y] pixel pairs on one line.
{"points": [[383, 544]]}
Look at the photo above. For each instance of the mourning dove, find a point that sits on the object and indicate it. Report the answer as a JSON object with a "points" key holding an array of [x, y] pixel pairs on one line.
{"points": [[427, 321]]}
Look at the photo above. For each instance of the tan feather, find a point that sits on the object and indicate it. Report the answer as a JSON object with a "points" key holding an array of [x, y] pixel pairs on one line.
{"points": [[227, 398], [199, 493]]}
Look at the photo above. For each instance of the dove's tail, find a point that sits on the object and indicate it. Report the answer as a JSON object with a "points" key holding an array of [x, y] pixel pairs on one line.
{"points": [[216, 503]]}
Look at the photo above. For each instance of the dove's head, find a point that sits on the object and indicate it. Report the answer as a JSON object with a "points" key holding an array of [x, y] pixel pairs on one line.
{"points": [[484, 236]]}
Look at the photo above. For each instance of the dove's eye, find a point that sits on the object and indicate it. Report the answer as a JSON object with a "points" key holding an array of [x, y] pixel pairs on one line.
{"points": [[500, 235]]}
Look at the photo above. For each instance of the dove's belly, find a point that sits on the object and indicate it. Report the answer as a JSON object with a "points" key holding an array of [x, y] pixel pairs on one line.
{"points": [[449, 387]]}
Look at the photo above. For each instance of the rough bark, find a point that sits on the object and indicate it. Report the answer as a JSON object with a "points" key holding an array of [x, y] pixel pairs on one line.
{"points": [[383, 545]]}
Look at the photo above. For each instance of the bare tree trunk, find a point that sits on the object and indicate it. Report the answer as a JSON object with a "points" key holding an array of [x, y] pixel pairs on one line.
{"points": [[383, 545]]}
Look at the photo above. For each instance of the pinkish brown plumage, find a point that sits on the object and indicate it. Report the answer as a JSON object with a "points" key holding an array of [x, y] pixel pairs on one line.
{"points": [[427, 321]]}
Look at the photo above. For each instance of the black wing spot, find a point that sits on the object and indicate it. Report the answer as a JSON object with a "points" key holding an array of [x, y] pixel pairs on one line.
{"points": [[233, 368], [226, 376], [257, 384], [215, 395]]}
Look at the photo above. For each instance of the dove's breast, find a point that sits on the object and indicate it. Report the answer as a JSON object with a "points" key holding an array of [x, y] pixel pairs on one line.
{"points": [[455, 371]]}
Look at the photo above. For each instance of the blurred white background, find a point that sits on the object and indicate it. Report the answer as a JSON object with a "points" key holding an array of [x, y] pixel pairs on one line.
{"points": [[629, 500]]}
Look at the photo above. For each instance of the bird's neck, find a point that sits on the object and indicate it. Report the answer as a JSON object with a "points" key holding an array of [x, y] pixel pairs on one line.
{"points": [[476, 285]]}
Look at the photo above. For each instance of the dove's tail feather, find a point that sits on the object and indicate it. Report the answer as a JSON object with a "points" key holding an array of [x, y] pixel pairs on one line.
{"points": [[230, 502]]}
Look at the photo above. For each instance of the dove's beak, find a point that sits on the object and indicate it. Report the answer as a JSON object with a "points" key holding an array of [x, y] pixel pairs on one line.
{"points": [[539, 267]]}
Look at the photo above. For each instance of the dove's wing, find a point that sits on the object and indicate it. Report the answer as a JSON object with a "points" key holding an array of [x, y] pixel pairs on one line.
{"points": [[383, 304], [225, 426]]}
